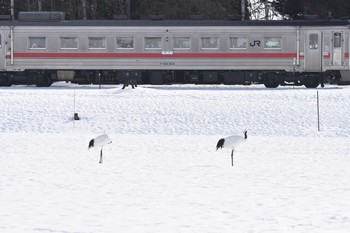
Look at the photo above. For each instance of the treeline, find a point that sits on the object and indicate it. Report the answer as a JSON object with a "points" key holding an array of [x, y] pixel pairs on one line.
{"points": [[323, 8], [135, 9], [179, 9]]}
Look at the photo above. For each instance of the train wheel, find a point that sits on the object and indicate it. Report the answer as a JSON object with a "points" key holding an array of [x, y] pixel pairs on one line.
{"points": [[43, 81], [271, 80], [271, 83], [5, 82], [311, 82]]}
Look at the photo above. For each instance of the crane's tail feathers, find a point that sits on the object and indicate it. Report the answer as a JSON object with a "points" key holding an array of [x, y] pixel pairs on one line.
{"points": [[220, 144], [91, 143]]}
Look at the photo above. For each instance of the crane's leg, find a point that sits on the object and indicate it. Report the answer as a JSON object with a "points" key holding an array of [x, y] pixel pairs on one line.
{"points": [[101, 160], [232, 157]]}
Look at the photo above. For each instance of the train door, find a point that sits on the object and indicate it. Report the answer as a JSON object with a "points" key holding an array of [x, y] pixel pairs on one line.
{"points": [[337, 48], [313, 51], [2, 51]]}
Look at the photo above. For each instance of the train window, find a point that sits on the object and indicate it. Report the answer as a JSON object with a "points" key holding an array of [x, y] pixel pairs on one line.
{"points": [[272, 42], [337, 40], [97, 43], [153, 43], [313, 41], [182, 43], [238, 42], [68, 43], [125, 43], [210, 42], [37, 42]]}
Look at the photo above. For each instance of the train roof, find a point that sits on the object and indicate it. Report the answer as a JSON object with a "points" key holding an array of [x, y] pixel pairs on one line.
{"points": [[177, 23]]}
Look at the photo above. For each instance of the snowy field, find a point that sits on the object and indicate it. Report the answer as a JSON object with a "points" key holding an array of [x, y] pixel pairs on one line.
{"points": [[162, 173]]}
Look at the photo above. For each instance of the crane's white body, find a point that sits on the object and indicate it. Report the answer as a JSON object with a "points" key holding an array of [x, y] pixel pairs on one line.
{"points": [[100, 141], [232, 142]]}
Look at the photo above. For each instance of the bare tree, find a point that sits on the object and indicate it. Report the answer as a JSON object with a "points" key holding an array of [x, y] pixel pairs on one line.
{"points": [[83, 3], [39, 5], [262, 10]]}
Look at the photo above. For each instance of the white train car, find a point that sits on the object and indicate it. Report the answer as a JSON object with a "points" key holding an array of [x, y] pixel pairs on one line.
{"points": [[41, 48]]}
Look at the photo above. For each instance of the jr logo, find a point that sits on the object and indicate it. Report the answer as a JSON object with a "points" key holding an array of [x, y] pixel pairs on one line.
{"points": [[255, 43]]}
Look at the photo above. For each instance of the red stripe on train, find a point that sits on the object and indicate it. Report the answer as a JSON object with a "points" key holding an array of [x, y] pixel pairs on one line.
{"points": [[154, 55], [346, 56]]}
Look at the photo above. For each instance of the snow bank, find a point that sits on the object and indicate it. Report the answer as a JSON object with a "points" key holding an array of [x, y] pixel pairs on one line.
{"points": [[162, 173]]}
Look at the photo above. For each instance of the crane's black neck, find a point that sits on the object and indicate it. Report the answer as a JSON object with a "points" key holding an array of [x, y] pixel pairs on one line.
{"points": [[245, 135]]}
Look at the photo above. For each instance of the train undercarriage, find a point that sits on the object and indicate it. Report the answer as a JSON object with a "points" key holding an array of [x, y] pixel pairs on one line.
{"points": [[271, 79]]}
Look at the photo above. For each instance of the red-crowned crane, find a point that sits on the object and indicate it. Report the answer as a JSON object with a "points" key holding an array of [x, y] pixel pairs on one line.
{"points": [[100, 141], [231, 142]]}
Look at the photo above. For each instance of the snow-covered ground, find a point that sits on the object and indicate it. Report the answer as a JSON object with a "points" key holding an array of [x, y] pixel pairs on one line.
{"points": [[162, 172]]}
